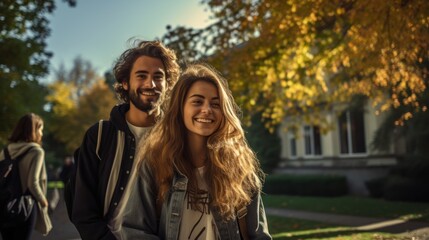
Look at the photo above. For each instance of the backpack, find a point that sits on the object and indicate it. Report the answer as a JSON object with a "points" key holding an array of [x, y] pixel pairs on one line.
{"points": [[16, 206], [69, 187]]}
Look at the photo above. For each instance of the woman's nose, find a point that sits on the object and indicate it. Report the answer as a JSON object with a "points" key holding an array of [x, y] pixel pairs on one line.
{"points": [[206, 108]]}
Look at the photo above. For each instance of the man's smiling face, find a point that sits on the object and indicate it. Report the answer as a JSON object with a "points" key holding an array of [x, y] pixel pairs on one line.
{"points": [[147, 81]]}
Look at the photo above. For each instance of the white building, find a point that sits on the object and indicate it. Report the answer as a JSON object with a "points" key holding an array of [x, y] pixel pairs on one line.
{"points": [[346, 150]]}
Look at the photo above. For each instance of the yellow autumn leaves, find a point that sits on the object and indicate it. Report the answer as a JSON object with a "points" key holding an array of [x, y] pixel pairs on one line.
{"points": [[309, 55]]}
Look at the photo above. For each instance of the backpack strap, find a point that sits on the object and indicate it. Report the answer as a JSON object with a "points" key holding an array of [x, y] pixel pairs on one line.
{"points": [[6, 153], [100, 131], [12, 161], [8, 157], [241, 213]]}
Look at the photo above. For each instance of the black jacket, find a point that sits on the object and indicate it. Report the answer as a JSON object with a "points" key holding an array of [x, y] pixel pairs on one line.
{"points": [[90, 215]]}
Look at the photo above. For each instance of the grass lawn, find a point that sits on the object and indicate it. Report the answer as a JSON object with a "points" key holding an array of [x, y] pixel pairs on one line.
{"points": [[348, 205], [284, 228], [55, 184]]}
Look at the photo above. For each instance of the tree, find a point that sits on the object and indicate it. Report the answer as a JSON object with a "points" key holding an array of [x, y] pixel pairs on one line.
{"points": [[23, 34], [415, 131], [19, 98], [110, 79], [407, 180], [78, 99], [303, 56], [23, 31], [267, 145]]}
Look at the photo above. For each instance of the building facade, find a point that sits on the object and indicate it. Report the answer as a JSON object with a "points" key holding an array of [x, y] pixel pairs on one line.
{"points": [[344, 150]]}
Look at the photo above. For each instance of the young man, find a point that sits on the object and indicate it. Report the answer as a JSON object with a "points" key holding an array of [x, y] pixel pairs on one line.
{"points": [[144, 75]]}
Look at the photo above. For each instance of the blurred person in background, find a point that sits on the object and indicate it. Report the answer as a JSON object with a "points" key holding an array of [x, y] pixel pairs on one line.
{"points": [[26, 139]]}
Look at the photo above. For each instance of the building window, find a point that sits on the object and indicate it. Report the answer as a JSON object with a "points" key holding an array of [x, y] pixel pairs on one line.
{"points": [[292, 146], [352, 132], [312, 141]]}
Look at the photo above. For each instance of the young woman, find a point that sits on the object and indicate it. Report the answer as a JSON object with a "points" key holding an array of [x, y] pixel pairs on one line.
{"points": [[198, 176], [27, 137]]}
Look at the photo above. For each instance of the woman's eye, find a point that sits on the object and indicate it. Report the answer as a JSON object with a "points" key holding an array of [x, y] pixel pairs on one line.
{"points": [[216, 105]]}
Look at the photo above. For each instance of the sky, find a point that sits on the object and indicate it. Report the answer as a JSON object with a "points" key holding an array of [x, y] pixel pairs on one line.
{"points": [[99, 30]]}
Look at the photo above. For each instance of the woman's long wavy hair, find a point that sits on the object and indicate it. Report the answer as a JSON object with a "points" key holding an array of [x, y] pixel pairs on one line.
{"points": [[233, 172]]}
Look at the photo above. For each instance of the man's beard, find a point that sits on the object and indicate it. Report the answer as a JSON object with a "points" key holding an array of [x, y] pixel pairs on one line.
{"points": [[140, 104]]}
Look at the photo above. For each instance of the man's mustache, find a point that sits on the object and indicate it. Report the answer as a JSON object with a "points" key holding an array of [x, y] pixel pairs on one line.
{"points": [[140, 90]]}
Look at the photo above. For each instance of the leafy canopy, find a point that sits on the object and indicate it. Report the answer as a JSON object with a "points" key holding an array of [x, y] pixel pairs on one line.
{"points": [[300, 57], [24, 59], [23, 34], [78, 99]]}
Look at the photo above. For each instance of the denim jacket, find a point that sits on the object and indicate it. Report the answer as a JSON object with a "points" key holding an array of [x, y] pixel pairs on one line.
{"points": [[141, 221]]}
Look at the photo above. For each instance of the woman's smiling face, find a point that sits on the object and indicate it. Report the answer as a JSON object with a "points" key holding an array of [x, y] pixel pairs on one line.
{"points": [[202, 113]]}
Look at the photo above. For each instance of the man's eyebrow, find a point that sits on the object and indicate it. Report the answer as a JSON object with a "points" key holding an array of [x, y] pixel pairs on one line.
{"points": [[160, 72], [141, 71]]}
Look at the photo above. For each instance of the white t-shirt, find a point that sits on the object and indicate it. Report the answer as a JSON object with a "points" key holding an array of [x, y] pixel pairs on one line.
{"points": [[198, 224], [138, 132]]}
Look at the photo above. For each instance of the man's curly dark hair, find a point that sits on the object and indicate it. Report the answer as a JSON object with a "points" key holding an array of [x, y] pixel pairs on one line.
{"points": [[155, 49]]}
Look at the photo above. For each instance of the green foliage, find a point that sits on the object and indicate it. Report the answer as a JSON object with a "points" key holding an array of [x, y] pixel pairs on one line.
{"points": [[266, 144], [18, 98], [55, 151], [306, 185], [413, 167], [407, 181], [375, 187], [23, 33], [110, 79], [24, 59], [399, 188]]}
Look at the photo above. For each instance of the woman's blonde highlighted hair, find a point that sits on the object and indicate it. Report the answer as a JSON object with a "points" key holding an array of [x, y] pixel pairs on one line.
{"points": [[233, 172]]}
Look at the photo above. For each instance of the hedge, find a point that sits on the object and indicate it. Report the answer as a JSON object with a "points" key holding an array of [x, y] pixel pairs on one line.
{"points": [[306, 185], [399, 188], [408, 181]]}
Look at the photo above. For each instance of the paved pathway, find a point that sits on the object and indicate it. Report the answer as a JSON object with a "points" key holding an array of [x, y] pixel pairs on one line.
{"points": [[62, 229]]}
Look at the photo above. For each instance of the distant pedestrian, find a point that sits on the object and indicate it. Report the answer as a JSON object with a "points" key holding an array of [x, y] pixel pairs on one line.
{"points": [[66, 169], [63, 174], [27, 136]]}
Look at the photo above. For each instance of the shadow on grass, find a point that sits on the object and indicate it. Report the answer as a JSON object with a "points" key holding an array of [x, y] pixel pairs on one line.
{"points": [[339, 234], [283, 228], [421, 218]]}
